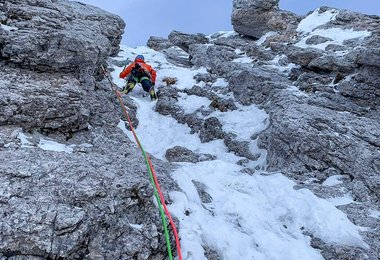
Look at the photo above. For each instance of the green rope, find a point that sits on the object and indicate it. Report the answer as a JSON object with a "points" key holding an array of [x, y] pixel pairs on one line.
{"points": [[159, 206], [149, 170], [168, 246]]}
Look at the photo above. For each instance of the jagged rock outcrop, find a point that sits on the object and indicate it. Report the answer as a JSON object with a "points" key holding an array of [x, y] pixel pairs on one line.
{"points": [[58, 36], [319, 83], [159, 43], [44, 100], [83, 204], [63, 37], [254, 18], [183, 40], [72, 185]]}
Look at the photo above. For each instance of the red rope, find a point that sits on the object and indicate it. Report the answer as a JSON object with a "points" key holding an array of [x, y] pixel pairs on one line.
{"points": [[174, 228]]}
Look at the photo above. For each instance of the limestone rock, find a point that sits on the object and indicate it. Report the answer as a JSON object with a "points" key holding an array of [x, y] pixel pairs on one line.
{"points": [[254, 18], [61, 36], [182, 154], [184, 40], [158, 43]]}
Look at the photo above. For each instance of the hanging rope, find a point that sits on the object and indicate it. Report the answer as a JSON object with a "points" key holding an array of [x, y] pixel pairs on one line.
{"points": [[153, 178]]}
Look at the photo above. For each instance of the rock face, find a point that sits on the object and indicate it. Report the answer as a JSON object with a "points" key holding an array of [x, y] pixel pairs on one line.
{"points": [[321, 93], [83, 204], [59, 36], [72, 185], [183, 40], [254, 18]]}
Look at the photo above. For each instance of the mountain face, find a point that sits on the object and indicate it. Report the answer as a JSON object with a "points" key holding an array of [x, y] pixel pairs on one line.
{"points": [[72, 185], [318, 79]]}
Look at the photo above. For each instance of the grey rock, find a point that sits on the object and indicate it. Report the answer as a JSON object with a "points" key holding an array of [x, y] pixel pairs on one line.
{"points": [[317, 39], [256, 85], [59, 36], [223, 105], [254, 18], [216, 59], [78, 205], [165, 104], [177, 56], [43, 100], [205, 77], [182, 154], [259, 4], [368, 57], [201, 188], [335, 48], [240, 148], [184, 40], [332, 63], [338, 252], [211, 130], [159, 43], [366, 80], [302, 56]]}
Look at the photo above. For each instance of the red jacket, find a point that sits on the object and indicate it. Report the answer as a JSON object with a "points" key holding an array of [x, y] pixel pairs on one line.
{"points": [[146, 67]]}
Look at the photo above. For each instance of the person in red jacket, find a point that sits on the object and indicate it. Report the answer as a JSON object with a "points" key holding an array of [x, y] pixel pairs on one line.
{"points": [[140, 72]]}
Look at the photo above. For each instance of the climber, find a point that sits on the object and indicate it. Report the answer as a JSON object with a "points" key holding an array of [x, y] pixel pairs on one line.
{"points": [[139, 72]]}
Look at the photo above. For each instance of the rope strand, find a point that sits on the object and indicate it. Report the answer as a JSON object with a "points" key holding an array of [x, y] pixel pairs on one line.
{"points": [[153, 177]]}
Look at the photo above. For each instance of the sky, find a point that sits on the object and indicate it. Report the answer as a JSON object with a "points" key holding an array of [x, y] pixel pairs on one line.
{"points": [[147, 18]]}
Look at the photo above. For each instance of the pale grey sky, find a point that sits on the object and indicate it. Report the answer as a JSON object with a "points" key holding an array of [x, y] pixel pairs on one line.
{"points": [[145, 18]]}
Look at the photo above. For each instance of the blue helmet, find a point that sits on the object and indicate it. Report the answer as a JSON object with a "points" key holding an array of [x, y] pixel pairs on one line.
{"points": [[140, 57]]}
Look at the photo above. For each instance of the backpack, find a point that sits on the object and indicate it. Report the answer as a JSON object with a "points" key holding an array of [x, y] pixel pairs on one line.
{"points": [[138, 71]]}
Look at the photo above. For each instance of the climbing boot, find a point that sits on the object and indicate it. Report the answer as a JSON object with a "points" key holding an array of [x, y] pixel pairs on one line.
{"points": [[128, 88], [152, 94]]}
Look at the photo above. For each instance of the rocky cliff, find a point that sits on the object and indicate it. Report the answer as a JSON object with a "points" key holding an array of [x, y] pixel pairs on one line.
{"points": [[71, 184], [318, 78]]}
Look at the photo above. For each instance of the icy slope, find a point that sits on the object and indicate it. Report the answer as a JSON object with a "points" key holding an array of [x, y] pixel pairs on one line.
{"points": [[237, 215]]}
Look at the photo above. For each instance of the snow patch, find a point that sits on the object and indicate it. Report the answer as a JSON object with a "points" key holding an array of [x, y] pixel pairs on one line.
{"points": [[265, 37], [190, 103], [253, 217], [375, 214], [295, 91], [8, 28], [50, 145], [243, 122], [333, 180], [24, 139], [339, 201], [226, 34], [337, 36], [220, 82], [316, 19]]}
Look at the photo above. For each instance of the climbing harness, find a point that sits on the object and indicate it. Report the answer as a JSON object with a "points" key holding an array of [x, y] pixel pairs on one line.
{"points": [[153, 178]]}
